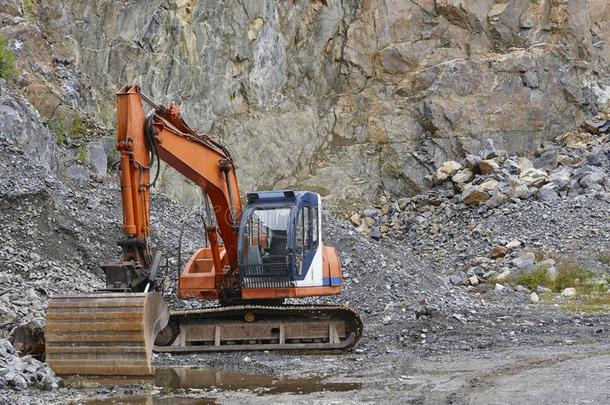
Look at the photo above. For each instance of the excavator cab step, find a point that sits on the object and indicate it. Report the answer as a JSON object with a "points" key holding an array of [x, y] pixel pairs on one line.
{"points": [[104, 333]]}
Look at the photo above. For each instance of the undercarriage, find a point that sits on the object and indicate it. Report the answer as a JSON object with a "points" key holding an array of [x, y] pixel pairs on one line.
{"points": [[116, 333]]}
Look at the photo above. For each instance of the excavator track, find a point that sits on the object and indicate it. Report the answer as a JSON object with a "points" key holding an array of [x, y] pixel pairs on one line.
{"points": [[103, 333], [257, 327], [113, 334]]}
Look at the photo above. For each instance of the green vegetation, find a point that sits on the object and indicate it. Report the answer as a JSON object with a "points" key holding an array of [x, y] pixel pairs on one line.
{"points": [[58, 127], [569, 274], [83, 154], [30, 7], [592, 303], [533, 279], [492, 280], [59, 138], [7, 60], [78, 128], [593, 293]]}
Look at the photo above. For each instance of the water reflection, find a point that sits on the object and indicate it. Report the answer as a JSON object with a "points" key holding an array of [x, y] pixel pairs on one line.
{"points": [[194, 379], [183, 377], [152, 400]]}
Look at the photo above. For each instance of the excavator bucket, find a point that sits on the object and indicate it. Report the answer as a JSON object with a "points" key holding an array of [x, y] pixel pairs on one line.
{"points": [[104, 334]]}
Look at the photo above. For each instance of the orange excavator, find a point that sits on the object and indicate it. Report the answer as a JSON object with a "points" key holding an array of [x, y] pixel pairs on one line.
{"points": [[255, 257]]}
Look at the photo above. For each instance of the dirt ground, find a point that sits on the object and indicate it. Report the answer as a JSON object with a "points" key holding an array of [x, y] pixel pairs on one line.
{"points": [[565, 373]]}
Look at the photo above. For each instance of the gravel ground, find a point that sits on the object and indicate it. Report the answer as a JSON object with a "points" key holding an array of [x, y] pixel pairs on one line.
{"points": [[419, 326]]}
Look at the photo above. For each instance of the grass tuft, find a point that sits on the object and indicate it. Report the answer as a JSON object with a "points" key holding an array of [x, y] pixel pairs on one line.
{"points": [[78, 129], [534, 278], [83, 154], [58, 127], [7, 60], [571, 275], [30, 7]]}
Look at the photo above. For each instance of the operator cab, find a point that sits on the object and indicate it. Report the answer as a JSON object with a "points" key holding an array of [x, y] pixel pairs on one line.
{"points": [[280, 240]]}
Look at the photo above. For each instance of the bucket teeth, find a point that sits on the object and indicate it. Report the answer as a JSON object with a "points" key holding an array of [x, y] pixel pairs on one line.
{"points": [[103, 333]]}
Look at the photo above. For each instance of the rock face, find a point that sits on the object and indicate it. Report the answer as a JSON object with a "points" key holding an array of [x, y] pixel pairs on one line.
{"points": [[350, 99], [20, 126]]}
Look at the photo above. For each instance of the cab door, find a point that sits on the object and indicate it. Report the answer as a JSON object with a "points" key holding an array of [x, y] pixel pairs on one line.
{"points": [[308, 259]]}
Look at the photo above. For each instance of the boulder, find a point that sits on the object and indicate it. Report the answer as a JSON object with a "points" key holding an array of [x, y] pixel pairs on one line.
{"points": [[596, 158], [568, 292], [560, 178], [476, 271], [503, 276], [463, 176], [78, 174], [497, 200], [564, 160], [575, 140], [499, 251], [524, 262], [488, 166], [513, 244], [370, 213], [543, 290], [524, 164], [447, 170], [596, 126], [519, 191], [488, 185], [472, 195], [533, 177], [511, 166], [455, 279], [547, 193], [590, 177], [28, 338], [547, 160]]}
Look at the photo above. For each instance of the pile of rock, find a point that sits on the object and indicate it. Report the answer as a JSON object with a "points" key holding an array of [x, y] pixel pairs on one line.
{"points": [[502, 261], [575, 164], [22, 372], [27, 280], [507, 261]]}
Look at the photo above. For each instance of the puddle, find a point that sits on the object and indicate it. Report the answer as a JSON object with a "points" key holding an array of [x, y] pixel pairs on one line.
{"points": [[186, 378], [195, 379], [152, 400]]}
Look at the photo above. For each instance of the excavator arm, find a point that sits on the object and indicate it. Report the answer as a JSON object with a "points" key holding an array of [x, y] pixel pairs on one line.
{"points": [[112, 332], [141, 141]]}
